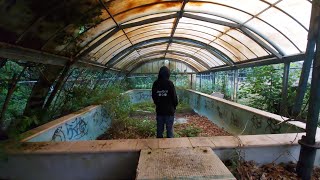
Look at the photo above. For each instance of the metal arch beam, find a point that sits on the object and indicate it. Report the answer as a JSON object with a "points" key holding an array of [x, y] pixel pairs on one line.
{"points": [[176, 22], [202, 63], [195, 64], [14, 52], [107, 36], [186, 41], [141, 47], [17, 53], [139, 64], [244, 30], [260, 42], [259, 62], [151, 20]]}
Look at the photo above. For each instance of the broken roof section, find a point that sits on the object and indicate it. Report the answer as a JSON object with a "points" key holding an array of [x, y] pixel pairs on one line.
{"points": [[122, 33]]}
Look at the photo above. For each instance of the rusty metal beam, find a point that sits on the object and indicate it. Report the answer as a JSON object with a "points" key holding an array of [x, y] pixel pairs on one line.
{"points": [[175, 25], [308, 143], [19, 53], [139, 64], [260, 62]]}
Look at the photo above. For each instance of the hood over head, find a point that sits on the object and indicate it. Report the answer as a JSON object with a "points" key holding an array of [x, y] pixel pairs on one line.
{"points": [[164, 73]]}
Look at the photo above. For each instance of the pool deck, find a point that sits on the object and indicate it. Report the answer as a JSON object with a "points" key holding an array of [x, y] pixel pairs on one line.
{"points": [[217, 142]]}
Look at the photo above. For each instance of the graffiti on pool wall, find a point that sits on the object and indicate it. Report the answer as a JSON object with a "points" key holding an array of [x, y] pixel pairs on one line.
{"points": [[143, 95], [273, 126], [209, 105], [99, 119], [235, 120], [77, 128], [58, 135], [219, 112], [256, 122]]}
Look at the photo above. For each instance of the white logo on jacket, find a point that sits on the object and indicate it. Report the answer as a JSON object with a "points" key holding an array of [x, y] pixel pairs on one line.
{"points": [[162, 93]]}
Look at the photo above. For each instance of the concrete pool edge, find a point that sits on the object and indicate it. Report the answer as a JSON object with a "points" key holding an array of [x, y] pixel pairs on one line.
{"points": [[253, 110], [127, 145]]}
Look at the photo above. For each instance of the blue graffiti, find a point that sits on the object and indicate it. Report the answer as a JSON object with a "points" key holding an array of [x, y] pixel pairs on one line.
{"points": [[58, 135], [77, 129]]}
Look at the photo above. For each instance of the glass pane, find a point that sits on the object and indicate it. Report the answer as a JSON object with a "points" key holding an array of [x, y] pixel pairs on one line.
{"points": [[147, 35], [203, 23], [250, 6], [97, 31], [109, 53], [141, 11], [231, 49], [196, 27], [225, 51], [97, 39], [197, 38], [135, 36], [252, 45], [194, 33], [300, 10], [215, 61], [115, 37], [159, 25], [286, 25], [274, 36], [218, 10], [150, 37]]}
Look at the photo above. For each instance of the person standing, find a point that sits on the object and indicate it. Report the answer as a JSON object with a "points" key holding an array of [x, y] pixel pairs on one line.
{"points": [[165, 98]]}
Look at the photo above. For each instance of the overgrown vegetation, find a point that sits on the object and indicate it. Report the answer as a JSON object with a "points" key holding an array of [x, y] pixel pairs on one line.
{"points": [[262, 89], [138, 121]]}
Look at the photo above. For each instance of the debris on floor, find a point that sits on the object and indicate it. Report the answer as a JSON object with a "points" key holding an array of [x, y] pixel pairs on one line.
{"points": [[250, 170], [138, 126]]}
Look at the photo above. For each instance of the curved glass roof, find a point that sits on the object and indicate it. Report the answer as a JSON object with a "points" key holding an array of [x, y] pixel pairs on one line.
{"points": [[123, 33]]}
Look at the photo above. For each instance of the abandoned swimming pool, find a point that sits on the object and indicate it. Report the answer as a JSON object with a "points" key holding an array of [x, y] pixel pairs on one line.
{"points": [[69, 142]]}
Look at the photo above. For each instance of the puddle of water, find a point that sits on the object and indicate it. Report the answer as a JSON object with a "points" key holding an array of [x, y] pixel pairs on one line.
{"points": [[180, 120]]}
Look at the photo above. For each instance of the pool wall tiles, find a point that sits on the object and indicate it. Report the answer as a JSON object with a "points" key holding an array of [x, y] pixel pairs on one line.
{"points": [[236, 120], [87, 126]]}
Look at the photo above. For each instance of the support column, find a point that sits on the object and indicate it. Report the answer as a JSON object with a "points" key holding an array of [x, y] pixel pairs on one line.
{"points": [[284, 96], [212, 80], [57, 86], [200, 80], [41, 90], [191, 81], [313, 31], [235, 84], [308, 145]]}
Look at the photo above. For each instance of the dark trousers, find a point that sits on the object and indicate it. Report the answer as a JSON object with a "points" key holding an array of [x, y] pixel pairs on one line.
{"points": [[165, 120]]}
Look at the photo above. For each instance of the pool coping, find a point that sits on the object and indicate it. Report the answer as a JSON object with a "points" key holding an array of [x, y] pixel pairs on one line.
{"points": [[135, 145], [216, 142]]}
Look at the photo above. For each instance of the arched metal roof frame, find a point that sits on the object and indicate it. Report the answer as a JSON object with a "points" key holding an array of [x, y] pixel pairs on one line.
{"points": [[141, 63], [121, 43], [256, 16], [155, 55], [226, 34], [245, 30], [194, 52], [230, 25], [199, 44], [48, 12], [163, 43], [182, 54], [233, 20]]}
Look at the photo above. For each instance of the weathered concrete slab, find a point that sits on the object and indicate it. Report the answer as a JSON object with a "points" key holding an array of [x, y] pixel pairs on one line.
{"points": [[181, 163]]}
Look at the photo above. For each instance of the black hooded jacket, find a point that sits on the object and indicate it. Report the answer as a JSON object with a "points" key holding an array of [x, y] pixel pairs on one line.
{"points": [[164, 94]]}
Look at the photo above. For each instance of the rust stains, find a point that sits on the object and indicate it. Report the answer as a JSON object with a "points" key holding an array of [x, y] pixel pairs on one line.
{"points": [[196, 3], [153, 8]]}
